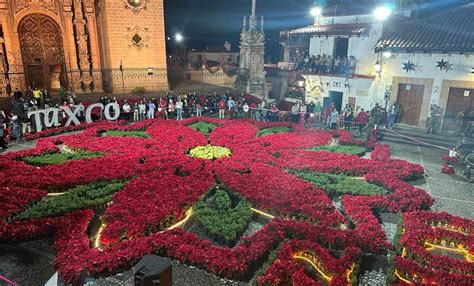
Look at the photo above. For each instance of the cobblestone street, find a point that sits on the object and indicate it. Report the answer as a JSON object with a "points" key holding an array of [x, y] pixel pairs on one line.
{"points": [[32, 263], [452, 193]]}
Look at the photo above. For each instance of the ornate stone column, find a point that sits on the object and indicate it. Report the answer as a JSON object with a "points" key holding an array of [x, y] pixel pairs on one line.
{"points": [[82, 41], [74, 74], [12, 46], [95, 53], [94, 46]]}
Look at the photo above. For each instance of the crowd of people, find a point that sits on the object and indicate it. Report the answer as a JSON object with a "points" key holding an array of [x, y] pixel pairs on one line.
{"points": [[348, 118], [181, 106], [184, 105], [326, 64], [170, 106]]}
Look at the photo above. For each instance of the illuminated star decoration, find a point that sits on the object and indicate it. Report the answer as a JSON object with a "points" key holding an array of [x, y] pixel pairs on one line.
{"points": [[442, 64], [409, 66], [449, 67]]}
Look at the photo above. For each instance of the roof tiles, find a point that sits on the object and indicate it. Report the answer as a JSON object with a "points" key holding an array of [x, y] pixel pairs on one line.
{"points": [[448, 31]]}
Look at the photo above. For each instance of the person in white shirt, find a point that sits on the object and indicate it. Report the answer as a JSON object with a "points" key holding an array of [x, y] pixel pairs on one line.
{"points": [[126, 107], [126, 110], [246, 109], [142, 110], [179, 110], [151, 109], [135, 112]]}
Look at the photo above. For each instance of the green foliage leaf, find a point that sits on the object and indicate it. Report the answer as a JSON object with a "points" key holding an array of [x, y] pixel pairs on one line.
{"points": [[338, 185], [58, 158], [273, 130], [222, 221], [133, 134], [81, 197], [346, 149], [203, 127]]}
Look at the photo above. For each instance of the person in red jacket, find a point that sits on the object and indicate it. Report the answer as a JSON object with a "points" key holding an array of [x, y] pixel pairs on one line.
{"points": [[162, 108], [362, 119], [221, 107]]}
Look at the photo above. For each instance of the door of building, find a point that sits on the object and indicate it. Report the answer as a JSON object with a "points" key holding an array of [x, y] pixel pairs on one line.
{"points": [[458, 100], [42, 51], [410, 99], [341, 47], [336, 98]]}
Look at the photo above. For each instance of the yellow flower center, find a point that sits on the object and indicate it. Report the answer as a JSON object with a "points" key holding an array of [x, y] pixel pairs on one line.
{"points": [[210, 152]]}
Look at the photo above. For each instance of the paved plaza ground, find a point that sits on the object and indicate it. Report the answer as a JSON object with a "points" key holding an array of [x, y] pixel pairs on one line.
{"points": [[32, 263]]}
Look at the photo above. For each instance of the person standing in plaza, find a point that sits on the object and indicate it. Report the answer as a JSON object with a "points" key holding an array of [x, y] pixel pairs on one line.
{"points": [[347, 117], [151, 110], [17, 94], [221, 107], [198, 107], [317, 110], [434, 120], [37, 95], [230, 104], [62, 94], [333, 118], [295, 115], [273, 113], [164, 108], [376, 115], [3, 142], [126, 108], [46, 98], [310, 108], [16, 128], [179, 110], [362, 118], [303, 110], [171, 108], [246, 110], [392, 116], [136, 112], [142, 110], [253, 110]]}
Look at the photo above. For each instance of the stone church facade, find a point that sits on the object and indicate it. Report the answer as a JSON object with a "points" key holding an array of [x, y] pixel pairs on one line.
{"points": [[85, 44]]}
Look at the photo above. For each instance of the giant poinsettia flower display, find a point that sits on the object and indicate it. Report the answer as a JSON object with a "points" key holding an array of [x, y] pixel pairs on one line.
{"points": [[162, 182]]}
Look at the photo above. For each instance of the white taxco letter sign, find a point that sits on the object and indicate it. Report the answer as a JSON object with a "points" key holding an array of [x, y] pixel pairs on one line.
{"points": [[50, 117]]}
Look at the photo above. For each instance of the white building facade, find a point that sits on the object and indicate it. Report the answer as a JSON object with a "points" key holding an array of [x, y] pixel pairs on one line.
{"points": [[412, 63]]}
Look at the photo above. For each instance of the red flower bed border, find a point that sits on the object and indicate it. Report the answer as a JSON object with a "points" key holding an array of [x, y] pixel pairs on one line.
{"points": [[255, 161], [424, 226]]}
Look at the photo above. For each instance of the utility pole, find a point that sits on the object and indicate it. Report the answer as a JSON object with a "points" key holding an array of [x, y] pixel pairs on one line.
{"points": [[123, 80]]}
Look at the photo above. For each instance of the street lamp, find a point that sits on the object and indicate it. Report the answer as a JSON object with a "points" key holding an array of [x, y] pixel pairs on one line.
{"points": [[382, 13], [387, 54], [378, 66], [316, 11], [179, 38]]}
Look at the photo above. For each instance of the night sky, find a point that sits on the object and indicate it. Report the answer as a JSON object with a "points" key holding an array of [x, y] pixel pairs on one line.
{"points": [[211, 22]]}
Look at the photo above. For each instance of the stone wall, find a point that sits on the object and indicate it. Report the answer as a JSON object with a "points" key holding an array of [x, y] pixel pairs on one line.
{"points": [[97, 35], [134, 37]]}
